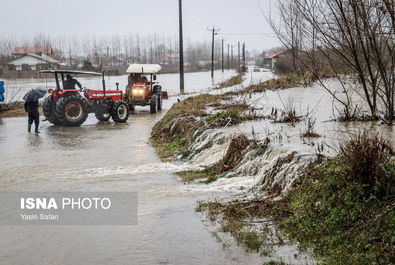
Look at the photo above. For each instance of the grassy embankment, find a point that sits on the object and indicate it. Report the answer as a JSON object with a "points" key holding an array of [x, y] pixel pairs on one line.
{"points": [[343, 208], [186, 120]]}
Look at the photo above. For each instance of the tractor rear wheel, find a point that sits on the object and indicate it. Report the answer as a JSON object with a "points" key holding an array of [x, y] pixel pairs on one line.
{"points": [[158, 92], [120, 111], [49, 110], [102, 116], [153, 106], [71, 110], [160, 101]]}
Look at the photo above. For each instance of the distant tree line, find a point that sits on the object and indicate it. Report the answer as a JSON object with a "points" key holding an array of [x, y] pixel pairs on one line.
{"points": [[115, 50]]}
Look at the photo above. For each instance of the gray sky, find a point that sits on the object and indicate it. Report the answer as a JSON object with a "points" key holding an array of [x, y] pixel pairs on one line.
{"points": [[99, 17]]}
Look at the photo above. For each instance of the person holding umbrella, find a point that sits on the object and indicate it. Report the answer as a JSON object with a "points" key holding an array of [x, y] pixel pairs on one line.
{"points": [[2, 91], [31, 107]]}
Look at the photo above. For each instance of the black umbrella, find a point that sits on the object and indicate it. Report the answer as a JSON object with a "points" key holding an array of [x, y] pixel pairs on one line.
{"points": [[34, 94]]}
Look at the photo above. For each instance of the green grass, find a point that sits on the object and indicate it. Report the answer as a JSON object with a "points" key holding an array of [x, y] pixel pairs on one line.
{"points": [[342, 221], [177, 144]]}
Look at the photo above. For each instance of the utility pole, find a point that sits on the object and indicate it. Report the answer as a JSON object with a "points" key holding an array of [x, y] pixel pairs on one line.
{"points": [[212, 50], [244, 56], [170, 54], [228, 57], [238, 56], [222, 55], [181, 48], [231, 48]]}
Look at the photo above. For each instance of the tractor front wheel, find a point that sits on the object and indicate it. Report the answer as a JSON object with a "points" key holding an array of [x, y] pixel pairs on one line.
{"points": [[71, 110], [102, 116], [49, 110], [153, 105], [120, 111]]}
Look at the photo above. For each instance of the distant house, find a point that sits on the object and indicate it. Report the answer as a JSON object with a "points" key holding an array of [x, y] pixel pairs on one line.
{"points": [[34, 62], [20, 51], [99, 58], [272, 58], [171, 58]]}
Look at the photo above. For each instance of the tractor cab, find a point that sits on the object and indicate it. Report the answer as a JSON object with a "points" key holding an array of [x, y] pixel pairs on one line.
{"points": [[142, 91], [65, 105]]}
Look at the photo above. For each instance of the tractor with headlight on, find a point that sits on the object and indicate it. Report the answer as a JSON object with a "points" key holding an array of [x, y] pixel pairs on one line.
{"points": [[70, 107], [143, 92]]}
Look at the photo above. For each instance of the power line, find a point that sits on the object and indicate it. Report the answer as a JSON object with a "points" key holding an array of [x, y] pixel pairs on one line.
{"points": [[246, 33]]}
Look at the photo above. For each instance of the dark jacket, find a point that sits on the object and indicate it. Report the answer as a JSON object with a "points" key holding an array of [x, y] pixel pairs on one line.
{"points": [[2, 90], [31, 107], [71, 83]]}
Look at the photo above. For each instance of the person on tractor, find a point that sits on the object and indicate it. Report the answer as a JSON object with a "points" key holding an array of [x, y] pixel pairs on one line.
{"points": [[71, 82], [134, 78]]}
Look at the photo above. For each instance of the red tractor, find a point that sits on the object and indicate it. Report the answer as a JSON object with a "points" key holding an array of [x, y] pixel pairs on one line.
{"points": [[144, 92], [69, 108]]}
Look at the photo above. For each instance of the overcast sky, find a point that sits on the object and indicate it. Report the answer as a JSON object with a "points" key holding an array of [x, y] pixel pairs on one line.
{"points": [[238, 19]]}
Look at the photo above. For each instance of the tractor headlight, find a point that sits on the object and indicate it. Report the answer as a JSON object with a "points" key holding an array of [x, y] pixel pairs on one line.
{"points": [[139, 91]]}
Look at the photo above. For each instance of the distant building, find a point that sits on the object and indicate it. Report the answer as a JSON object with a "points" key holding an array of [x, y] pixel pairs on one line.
{"points": [[272, 58], [171, 58], [20, 51], [99, 58], [34, 62]]}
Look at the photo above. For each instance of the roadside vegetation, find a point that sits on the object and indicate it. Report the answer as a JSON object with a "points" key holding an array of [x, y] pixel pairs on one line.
{"points": [[236, 80], [187, 119], [342, 207], [282, 82], [14, 109]]}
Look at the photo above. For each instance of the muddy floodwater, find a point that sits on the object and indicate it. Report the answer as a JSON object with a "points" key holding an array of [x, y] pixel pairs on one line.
{"points": [[110, 157]]}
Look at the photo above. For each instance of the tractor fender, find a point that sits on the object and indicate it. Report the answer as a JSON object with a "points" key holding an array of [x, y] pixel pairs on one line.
{"points": [[157, 89]]}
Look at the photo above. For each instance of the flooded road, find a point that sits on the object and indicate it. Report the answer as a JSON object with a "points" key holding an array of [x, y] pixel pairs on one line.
{"points": [[110, 157]]}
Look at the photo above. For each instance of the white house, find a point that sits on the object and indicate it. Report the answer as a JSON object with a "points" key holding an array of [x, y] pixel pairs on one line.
{"points": [[34, 62]]}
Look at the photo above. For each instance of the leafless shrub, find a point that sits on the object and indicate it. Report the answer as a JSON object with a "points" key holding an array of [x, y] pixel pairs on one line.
{"points": [[288, 114], [366, 155], [310, 129], [350, 37]]}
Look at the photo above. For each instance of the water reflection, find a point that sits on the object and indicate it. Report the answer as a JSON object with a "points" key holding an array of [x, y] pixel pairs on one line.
{"points": [[33, 142]]}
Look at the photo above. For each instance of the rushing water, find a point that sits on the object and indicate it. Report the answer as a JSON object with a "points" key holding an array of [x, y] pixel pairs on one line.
{"points": [[112, 157]]}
